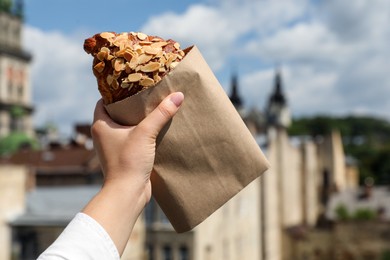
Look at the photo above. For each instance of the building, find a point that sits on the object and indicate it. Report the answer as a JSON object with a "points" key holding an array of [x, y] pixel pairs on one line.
{"points": [[46, 189], [46, 213], [359, 227], [290, 191], [15, 90], [13, 191], [255, 223], [352, 240]]}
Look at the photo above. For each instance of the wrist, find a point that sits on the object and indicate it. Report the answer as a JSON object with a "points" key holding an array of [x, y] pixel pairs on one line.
{"points": [[117, 206], [135, 191]]}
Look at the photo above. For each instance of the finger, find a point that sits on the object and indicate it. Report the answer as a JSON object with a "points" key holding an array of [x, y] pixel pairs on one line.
{"points": [[100, 112], [102, 122], [156, 120]]}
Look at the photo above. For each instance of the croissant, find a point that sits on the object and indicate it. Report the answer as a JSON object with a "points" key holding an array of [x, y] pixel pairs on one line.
{"points": [[126, 63]]}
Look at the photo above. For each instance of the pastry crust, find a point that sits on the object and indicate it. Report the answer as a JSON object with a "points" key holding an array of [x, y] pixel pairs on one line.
{"points": [[126, 63]]}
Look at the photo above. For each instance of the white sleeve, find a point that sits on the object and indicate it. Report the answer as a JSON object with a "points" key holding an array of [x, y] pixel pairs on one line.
{"points": [[83, 238]]}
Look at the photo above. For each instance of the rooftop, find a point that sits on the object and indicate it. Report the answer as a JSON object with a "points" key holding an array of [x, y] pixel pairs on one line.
{"points": [[60, 160], [54, 206]]}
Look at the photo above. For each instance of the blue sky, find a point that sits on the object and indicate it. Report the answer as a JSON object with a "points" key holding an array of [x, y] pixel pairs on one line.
{"points": [[71, 16], [333, 54]]}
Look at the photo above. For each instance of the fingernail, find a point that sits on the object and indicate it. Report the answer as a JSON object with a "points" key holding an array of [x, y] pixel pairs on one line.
{"points": [[177, 98]]}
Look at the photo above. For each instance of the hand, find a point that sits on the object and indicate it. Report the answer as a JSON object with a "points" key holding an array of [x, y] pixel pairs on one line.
{"points": [[126, 154]]}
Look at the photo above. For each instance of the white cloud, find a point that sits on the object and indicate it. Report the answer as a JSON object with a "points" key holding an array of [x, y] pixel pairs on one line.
{"points": [[334, 55], [254, 87], [220, 29], [200, 25], [357, 20], [346, 50], [262, 16], [304, 41], [305, 89], [64, 90], [363, 78]]}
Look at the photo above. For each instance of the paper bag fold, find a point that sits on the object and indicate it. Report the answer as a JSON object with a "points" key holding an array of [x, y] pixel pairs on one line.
{"points": [[205, 155]]}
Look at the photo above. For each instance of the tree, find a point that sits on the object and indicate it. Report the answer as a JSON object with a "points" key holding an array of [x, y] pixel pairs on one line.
{"points": [[16, 141], [365, 138], [5, 6]]}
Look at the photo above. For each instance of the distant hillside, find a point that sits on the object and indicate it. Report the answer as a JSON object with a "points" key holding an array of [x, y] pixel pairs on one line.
{"points": [[365, 138]]}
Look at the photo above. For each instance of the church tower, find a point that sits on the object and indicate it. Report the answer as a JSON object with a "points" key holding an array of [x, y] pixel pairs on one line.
{"points": [[235, 97], [15, 97], [277, 112]]}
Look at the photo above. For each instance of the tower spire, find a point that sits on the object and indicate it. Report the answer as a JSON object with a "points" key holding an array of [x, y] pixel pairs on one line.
{"points": [[234, 95], [278, 95], [277, 110]]}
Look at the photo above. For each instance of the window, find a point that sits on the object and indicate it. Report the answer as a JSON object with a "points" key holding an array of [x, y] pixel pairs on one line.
{"points": [[183, 253], [167, 253], [10, 92], [20, 92], [17, 114], [150, 250]]}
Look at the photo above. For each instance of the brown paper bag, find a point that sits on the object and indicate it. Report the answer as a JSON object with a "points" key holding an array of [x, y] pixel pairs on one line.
{"points": [[206, 154]]}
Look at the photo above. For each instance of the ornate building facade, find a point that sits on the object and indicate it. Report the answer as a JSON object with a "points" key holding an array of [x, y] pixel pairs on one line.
{"points": [[15, 87]]}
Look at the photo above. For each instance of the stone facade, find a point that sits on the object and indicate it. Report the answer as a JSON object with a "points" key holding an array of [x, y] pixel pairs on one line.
{"points": [[13, 181], [15, 86], [232, 232], [290, 190], [344, 241], [253, 224]]}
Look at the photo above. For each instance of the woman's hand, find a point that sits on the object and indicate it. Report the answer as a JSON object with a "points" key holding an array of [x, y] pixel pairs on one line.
{"points": [[126, 154]]}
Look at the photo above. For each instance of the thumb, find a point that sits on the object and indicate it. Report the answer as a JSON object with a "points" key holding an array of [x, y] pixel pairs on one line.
{"points": [[157, 119]]}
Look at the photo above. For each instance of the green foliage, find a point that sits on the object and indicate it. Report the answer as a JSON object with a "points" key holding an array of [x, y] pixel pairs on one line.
{"points": [[15, 141], [5, 6], [365, 138], [342, 212], [14, 8], [386, 255], [364, 214], [353, 127], [17, 112], [360, 214]]}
